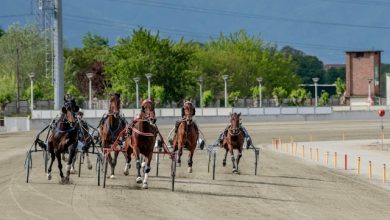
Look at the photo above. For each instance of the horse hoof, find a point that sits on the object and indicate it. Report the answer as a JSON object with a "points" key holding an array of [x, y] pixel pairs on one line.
{"points": [[73, 171], [139, 180], [89, 166], [143, 164], [224, 164], [49, 176], [235, 171], [126, 172], [189, 169], [144, 186], [112, 176]]}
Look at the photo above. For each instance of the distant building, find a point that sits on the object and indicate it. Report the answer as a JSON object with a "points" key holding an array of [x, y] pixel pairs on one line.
{"points": [[336, 66], [362, 68]]}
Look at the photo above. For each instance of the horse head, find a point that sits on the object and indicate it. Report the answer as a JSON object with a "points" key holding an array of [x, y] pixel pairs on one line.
{"points": [[148, 111], [115, 104], [188, 110], [235, 122], [69, 110]]}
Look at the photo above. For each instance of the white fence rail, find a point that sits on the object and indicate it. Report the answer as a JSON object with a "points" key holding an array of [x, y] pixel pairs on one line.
{"points": [[175, 112]]}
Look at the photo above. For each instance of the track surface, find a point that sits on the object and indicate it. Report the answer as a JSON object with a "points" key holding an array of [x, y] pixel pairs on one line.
{"points": [[285, 188]]}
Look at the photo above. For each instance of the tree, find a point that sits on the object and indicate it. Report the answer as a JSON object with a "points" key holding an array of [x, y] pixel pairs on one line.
{"points": [[299, 96], [340, 87], [94, 41], [157, 93], [207, 98], [6, 90], [324, 98], [279, 93], [233, 97], [2, 32]]}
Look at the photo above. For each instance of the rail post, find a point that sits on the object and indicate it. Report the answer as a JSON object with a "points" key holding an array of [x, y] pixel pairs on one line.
{"points": [[384, 173], [327, 157], [335, 160], [369, 169], [303, 151], [345, 162], [358, 166], [317, 154], [311, 154]]}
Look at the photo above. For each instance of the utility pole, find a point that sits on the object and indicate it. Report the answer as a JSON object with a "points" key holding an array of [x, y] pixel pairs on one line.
{"points": [[58, 56], [17, 82]]}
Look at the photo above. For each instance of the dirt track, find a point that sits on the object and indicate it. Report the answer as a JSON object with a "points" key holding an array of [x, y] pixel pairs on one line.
{"points": [[285, 188]]}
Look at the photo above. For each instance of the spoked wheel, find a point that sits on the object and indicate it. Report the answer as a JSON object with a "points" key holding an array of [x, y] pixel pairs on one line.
{"points": [[257, 152], [98, 167], [80, 161], [28, 165], [105, 164], [173, 173], [214, 161], [158, 159], [208, 167], [46, 158]]}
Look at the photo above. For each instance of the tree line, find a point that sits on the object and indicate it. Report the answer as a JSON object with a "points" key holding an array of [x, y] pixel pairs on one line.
{"points": [[176, 67]]}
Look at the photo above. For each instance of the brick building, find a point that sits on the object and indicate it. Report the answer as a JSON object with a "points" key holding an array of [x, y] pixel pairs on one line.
{"points": [[361, 68]]}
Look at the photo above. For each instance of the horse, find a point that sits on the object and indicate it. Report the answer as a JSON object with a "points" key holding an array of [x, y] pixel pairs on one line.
{"points": [[233, 140], [143, 132], [64, 138], [109, 128], [187, 134]]}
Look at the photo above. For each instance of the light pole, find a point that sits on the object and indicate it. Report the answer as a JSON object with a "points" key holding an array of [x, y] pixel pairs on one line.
{"points": [[89, 76], [148, 75], [260, 80], [225, 77], [136, 80], [200, 80], [31, 75], [369, 92], [315, 80]]}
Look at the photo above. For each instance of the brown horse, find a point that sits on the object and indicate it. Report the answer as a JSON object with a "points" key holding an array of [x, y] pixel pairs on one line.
{"points": [[109, 128], [63, 138], [233, 140], [143, 132], [187, 135]]}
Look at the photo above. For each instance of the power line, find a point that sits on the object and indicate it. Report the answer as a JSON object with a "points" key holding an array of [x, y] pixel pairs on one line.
{"points": [[16, 15], [119, 25], [182, 7]]}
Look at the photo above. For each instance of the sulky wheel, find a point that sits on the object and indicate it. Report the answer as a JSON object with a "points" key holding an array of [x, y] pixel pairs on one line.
{"points": [[28, 165], [98, 167], [80, 161], [173, 173], [208, 167], [214, 161], [257, 152], [105, 164]]}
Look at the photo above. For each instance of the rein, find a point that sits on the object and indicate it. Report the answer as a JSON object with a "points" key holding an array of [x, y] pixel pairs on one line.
{"points": [[140, 132]]}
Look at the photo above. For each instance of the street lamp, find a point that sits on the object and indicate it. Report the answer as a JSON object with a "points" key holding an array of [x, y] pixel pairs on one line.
{"points": [[369, 92], [148, 75], [225, 77], [260, 80], [89, 76], [200, 80], [136, 80], [31, 75], [315, 80]]}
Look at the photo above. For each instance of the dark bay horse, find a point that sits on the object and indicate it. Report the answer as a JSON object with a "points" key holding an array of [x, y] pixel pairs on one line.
{"points": [[109, 128], [143, 132], [234, 140], [187, 135], [64, 138]]}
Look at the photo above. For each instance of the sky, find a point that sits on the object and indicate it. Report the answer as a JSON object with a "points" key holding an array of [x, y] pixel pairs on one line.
{"points": [[323, 28]]}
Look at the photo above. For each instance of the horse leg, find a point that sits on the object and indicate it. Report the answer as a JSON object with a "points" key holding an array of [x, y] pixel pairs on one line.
{"points": [[224, 159], [234, 170], [53, 157], [88, 162], [58, 155], [72, 154], [146, 171], [113, 164], [180, 153], [238, 158], [128, 160], [138, 166], [72, 170], [190, 155]]}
